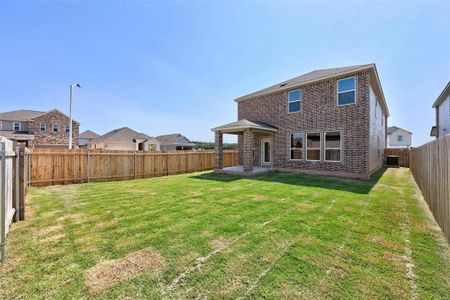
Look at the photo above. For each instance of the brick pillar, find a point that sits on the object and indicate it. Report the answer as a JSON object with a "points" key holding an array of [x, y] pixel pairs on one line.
{"points": [[219, 150], [248, 151]]}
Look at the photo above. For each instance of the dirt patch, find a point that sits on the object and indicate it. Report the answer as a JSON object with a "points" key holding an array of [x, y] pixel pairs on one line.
{"points": [[257, 197], [110, 273]]}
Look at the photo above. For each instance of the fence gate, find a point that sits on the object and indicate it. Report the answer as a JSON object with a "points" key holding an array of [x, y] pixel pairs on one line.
{"points": [[6, 187]]}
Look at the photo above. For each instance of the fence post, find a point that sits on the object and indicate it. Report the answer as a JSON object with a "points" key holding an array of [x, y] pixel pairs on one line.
{"points": [[17, 185], [22, 183], [88, 166], [134, 168], [3, 204]]}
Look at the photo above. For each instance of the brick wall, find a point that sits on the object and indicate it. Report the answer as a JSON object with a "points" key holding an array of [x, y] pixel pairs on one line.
{"points": [[319, 113], [49, 137]]}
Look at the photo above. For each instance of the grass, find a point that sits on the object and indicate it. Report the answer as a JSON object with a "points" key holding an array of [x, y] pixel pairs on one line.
{"points": [[219, 236]]}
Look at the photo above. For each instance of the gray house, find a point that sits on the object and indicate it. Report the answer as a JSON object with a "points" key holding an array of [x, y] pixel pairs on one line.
{"points": [[86, 137], [171, 142], [442, 107]]}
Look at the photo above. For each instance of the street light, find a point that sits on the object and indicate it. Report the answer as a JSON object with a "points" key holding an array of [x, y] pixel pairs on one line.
{"points": [[70, 113]]}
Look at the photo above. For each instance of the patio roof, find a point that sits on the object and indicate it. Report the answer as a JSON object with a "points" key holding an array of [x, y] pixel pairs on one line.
{"points": [[242, 124]]}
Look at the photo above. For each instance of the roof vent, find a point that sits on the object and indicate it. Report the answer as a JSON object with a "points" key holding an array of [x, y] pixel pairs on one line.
{"points": [[283, 84]]}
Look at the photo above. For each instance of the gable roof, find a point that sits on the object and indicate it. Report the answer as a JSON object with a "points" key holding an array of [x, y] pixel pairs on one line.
{"points": [[442, 96], [88, 134], [319, 75], [123, 134], [20, 115], [244, 124], [171, 139], [23, 115], [391, 129]]}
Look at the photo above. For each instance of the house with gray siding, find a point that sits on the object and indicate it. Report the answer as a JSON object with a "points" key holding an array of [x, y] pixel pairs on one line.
{"points": [[398, 137], [328, 122], [442, 107], [176, 141]]}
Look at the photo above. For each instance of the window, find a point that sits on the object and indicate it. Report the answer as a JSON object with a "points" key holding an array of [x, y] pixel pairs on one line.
{"points": [[399, 138], [67, 128], [294, 99], [313, 146], [55, 128], [16, 126], [296, 151], [333, 146], [42, 126], [346, 91]]}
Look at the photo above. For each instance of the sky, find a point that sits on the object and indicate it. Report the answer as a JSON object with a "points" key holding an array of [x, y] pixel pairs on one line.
{"points": [[176, 66]]}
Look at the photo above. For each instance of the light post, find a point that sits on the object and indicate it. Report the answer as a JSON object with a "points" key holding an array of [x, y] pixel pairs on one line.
{"points": [[70, 113]]}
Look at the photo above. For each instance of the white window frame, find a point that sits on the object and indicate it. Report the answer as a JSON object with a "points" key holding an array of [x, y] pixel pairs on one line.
{"points": [[351, 90], [40, 126], [53, 128], [290, 147], [14, 125], [325, 148], [400, 138], [67, 128], [300, 101], [320, 146]]}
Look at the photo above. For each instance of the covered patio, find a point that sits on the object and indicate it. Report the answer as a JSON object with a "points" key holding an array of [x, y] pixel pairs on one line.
{"points": [[253, 135]]}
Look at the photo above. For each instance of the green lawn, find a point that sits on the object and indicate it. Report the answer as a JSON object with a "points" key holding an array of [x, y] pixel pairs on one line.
{"points": [[219, 236]]}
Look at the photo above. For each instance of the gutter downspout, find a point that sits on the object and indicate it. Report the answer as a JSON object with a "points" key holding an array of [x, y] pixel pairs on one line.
{"points": [[3, 205]]}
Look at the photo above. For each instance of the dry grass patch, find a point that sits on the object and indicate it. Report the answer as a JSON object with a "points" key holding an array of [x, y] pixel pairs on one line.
{"points": [[302, 206], [257, 197], [220, 244], [383, 242], [110, 273], [53, 238]]}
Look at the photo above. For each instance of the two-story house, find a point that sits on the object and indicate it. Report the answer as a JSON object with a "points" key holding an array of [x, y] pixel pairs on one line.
{"points": [[442, 107], [38, 128], [329, 121], [398, 137]]}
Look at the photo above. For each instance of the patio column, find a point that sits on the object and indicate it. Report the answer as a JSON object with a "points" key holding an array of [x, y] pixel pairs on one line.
{"points": [[219, 150], [248, 151]]}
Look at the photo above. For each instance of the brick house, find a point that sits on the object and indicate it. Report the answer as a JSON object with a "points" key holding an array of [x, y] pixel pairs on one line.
{"points": [[38, 129], [329, 122]]}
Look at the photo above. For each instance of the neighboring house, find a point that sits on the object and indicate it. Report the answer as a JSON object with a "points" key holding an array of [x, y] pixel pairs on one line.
{"points": [[329, 121], [86, 137], [38, 128], [442, 106], [170, 142], [398, 137], [124, 139]]}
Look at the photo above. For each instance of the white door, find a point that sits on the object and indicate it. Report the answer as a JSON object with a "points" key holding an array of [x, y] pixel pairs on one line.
{"points": [[266, 151]]}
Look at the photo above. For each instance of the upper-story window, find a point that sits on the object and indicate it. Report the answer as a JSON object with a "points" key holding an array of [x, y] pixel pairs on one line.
{"points": [[55, 128], [67, 128], [42, 126], [294, 100], [346, 89], [399, 138], [17, 126]]}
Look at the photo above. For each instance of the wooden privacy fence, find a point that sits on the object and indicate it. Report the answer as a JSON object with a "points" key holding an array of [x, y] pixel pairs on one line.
{"points": [[13, 187], [403, 155], [430, 166], [48, 167]]}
